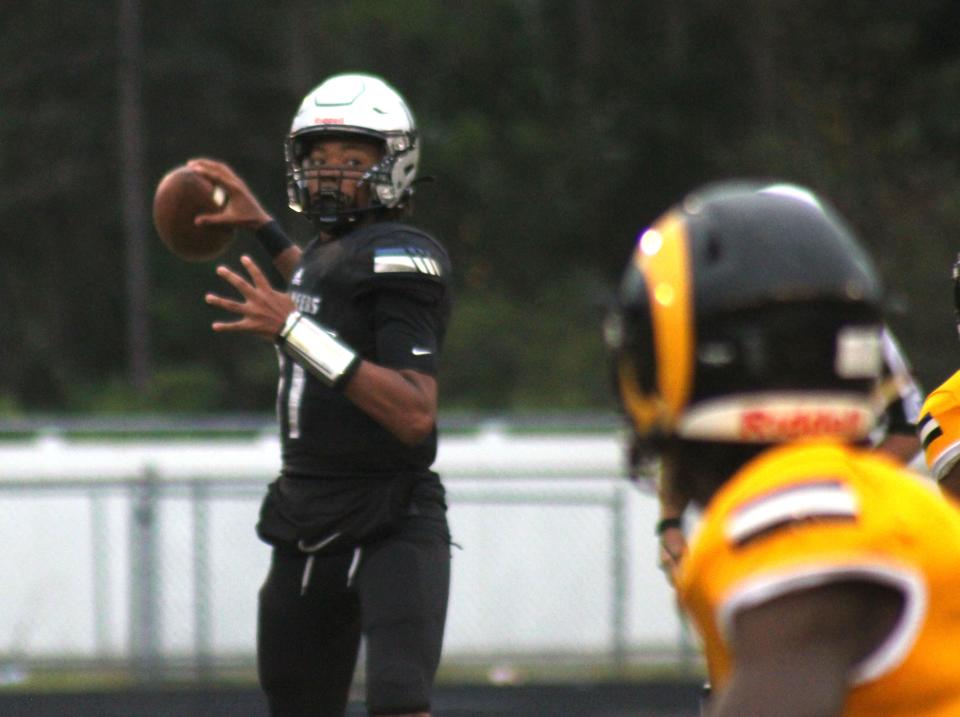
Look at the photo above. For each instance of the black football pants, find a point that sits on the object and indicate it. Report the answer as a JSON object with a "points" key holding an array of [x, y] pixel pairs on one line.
{"points": [[393, 591]]}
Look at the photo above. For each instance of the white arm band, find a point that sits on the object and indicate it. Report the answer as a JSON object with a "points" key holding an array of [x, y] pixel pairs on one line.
{"points": [[312, 346]]}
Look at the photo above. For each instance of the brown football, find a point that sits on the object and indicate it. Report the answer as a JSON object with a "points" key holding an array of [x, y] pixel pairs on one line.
{"points": [[181, 195]]}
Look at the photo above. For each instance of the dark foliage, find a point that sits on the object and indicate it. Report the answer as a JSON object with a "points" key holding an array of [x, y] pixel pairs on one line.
{"points": [[556, 131]]}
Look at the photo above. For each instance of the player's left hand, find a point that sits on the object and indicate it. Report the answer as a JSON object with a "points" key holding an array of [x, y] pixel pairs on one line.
{"points": [[263, 310]]}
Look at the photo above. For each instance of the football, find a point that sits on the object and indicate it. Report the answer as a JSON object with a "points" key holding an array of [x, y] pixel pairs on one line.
{"points": [[180, 196]]}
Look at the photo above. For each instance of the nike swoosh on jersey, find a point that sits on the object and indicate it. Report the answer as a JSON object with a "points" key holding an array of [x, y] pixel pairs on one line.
{"points": [[417, 351]]}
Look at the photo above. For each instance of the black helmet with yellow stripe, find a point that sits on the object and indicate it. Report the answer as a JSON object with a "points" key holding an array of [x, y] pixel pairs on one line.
{"points": [[750, 314]]}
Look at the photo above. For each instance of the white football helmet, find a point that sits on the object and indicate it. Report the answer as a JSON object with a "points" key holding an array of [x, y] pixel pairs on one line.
{"points": [[354, 104]]}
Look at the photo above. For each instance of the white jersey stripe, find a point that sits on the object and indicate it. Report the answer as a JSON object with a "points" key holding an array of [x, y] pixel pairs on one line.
{"points": [[945, 461], [298, 381], [795, 503], [392, 263], [927, 426]]}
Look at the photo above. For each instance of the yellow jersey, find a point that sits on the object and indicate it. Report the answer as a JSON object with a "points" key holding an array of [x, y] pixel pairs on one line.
{"points": [[939, 427], [816, 512]]}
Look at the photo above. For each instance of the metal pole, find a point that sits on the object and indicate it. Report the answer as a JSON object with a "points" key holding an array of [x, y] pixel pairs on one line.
{"points": [[101, 573], [144, 608], [201, 579], [619, 575]]}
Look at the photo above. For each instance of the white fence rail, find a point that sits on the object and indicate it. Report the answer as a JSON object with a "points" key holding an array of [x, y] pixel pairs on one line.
{"points": [[144, 553]]}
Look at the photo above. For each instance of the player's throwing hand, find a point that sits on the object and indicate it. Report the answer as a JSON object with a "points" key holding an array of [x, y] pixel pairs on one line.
{"points": [[263, 310], [242, 210]]}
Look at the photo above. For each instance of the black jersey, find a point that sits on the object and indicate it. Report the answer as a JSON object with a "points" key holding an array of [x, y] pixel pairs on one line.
{"points": [[383, 290]]}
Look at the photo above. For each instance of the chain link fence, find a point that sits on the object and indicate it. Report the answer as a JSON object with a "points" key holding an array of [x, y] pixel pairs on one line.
{"points": [[140, 556]]}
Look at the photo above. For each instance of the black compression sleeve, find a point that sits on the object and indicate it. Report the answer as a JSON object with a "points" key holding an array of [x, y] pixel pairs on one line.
{"points": [[272, 237]]}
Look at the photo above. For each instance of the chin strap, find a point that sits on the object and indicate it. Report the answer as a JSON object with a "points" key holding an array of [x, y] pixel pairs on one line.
{"points": [[336, 225]]}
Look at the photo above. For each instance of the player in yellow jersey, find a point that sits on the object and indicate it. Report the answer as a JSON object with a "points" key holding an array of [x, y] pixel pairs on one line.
{"points": [[896, 434], [747, 347], [939, 426]]}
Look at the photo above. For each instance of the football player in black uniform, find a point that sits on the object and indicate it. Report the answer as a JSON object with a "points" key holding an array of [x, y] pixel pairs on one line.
{"points": [[357, 519]]}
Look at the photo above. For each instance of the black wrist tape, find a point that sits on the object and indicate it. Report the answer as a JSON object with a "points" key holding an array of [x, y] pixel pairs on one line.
{"points": [[272, 237], [666, 524]]}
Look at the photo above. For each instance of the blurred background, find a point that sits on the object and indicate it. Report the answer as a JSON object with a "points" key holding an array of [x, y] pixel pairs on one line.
{"points": [[555, 131]]}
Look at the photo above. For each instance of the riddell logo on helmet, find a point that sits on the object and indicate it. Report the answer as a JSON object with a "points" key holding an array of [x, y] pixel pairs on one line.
{"points": [[761, 425], [329, 120]]}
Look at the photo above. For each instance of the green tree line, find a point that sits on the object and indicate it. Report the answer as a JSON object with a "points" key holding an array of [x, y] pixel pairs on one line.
{"points": [[555, 131]]}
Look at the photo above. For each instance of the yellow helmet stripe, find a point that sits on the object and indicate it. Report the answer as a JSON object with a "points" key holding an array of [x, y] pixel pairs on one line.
{"points": [[663, 256], [643, 409]]}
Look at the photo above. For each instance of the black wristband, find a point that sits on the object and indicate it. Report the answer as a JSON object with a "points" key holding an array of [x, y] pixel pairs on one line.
{"points": [[272, 237], [665, 524]]}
